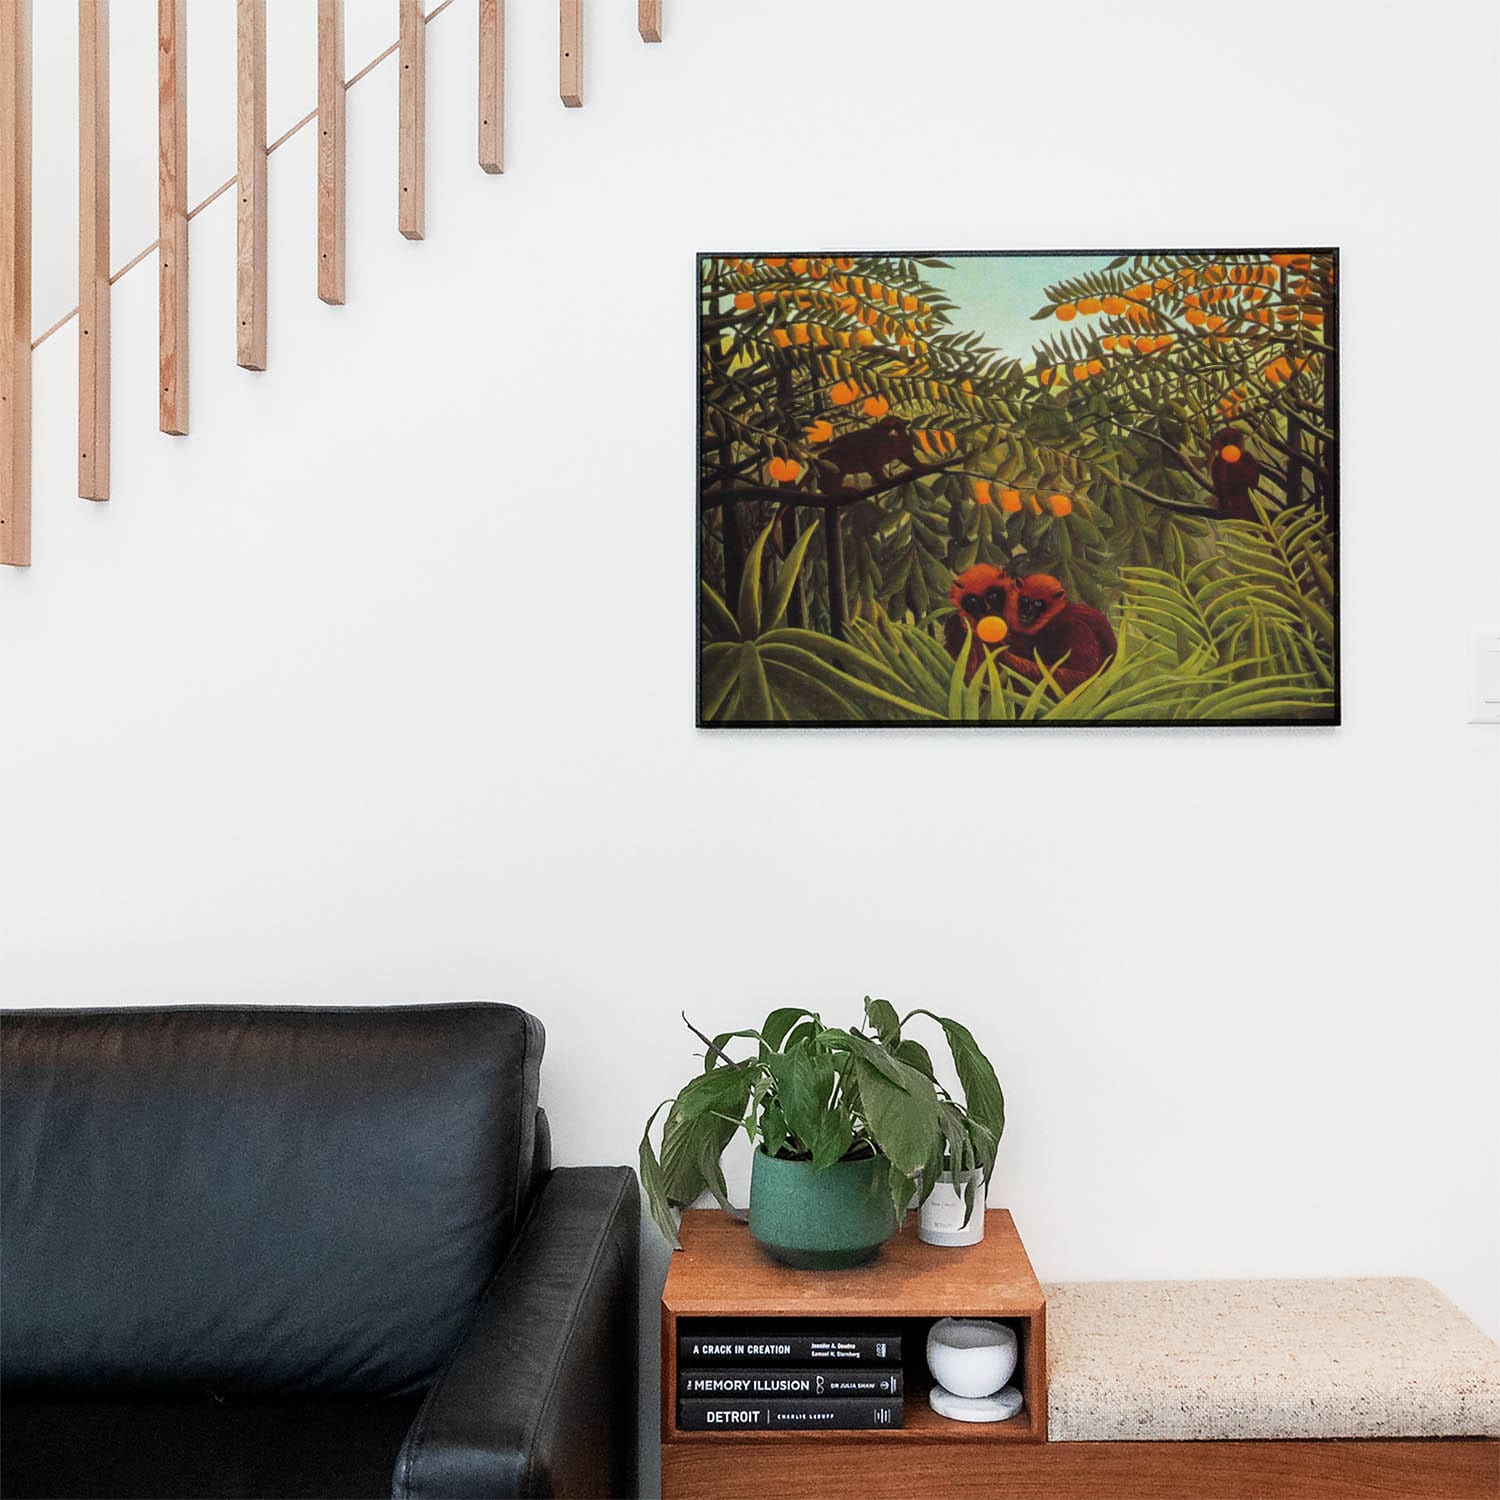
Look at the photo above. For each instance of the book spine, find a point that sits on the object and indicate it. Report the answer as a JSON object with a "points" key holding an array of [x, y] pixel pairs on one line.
{"points": [[795, 1349], [818, 1382], [845, 1413]]}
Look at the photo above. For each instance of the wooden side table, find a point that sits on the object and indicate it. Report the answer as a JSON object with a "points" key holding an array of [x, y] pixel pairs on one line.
{"points": [[722, 1273]]}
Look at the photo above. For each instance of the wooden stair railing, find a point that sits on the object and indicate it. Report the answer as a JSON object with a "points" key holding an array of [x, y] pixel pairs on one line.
{"points": [[252, 152]]}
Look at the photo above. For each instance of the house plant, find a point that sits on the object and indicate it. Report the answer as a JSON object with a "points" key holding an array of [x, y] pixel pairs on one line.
{"points": [[847, 1124]]}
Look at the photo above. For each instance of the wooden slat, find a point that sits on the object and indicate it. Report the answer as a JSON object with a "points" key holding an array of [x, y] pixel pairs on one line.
{"points": [[93, 249], [331, 106], [172, 212], [649, 20], [570, 51], [492, 85], [250, 157], [969, 1466], [412, 150], [15, 282]]}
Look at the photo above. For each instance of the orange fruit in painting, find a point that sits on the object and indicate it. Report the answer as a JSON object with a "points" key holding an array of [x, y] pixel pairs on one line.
{"points": [[1090, 305], [1080, 371], [843, 393], [1066, 313], [1045, 376], [780, 337], [744, 301], [1010, 501], [1062, 505], [1036, 504], [1141, 293], [981, 488], [799, 267], [844, 263], [1108, 342], [991, 630], [1144, 345], [1096, 367], [1196, 317], [1229, 453], [864, 338], [908, 303], [1215, 323], [776, 260], [784, 470], [876, 406], [1114, 306], [820, 431]]}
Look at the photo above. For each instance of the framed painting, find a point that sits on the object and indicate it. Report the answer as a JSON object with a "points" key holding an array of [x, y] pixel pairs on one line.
{"points": [[1018, 489]]}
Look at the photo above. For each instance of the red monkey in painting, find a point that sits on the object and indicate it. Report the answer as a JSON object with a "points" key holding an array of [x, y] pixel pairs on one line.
{"points": [[980, 596], [1234, 474], [1045, 628]]}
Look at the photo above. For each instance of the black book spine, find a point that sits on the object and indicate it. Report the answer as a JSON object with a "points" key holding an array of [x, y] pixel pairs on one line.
{"points": [[845, 1413], [817, 1381], [771, 1348]]}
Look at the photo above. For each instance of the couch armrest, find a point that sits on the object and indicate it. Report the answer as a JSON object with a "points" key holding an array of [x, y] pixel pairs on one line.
{"points": [[540, 1397]]}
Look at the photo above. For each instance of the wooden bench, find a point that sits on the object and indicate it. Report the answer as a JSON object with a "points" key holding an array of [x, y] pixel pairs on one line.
{"points": [[1229, 1390], [1266, 1388]]}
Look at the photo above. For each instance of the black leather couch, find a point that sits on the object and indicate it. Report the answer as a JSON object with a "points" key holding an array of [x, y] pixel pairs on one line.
{"points": [[304, 1252]]}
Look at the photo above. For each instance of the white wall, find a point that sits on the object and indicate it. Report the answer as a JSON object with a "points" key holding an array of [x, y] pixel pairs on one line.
{"points": [[379, 686]]}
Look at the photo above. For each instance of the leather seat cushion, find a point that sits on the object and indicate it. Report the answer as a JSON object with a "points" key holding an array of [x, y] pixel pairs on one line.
{"points": [[204, 1448]]}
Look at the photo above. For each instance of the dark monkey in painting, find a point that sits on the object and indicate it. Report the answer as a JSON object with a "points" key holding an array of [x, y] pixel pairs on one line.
{"points": [[869, 450], [1234, 474]]}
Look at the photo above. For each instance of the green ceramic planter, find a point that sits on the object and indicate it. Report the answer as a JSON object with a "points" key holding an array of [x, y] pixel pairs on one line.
{"points": [[821, 1221]]}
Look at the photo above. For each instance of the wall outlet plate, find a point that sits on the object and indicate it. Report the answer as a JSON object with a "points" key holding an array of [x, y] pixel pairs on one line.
{"points": [[1485, 687]]}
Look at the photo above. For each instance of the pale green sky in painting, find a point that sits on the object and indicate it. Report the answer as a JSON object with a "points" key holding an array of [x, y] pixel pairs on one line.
{"points": [[997, 294]]}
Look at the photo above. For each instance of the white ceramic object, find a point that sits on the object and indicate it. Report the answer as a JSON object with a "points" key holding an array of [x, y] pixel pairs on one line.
{"points": [[971, 1356], [1000, 1407], [940, 1220]]}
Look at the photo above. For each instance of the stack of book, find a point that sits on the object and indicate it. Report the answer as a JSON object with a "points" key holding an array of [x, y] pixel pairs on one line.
{"points": [[822, 1377]]}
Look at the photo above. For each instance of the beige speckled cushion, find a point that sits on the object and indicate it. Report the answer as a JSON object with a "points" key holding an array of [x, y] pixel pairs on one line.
{"points": [[1153, 1360]]}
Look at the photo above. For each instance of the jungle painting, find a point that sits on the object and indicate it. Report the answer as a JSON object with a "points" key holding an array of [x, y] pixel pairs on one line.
{"points": [[1018, 489]]}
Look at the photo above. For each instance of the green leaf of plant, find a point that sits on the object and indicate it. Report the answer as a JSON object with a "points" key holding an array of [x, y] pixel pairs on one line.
{"points": [[902, 1119], [834, 1136], [722, 1090], [804, 1086], [883, 1020], [719, 623], [956, 685], [718, 670], [786, 581], [755, 692], [748, 613], [654, 1183], [778, 1023], [914, 1055], [982, 1095]]}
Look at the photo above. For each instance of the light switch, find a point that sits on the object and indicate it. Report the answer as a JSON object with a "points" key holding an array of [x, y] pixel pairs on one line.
{"points": [[1486, 647], [1492, 674]]}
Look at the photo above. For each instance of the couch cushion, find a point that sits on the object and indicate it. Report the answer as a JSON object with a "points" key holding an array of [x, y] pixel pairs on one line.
{"points": [[324, 1450], [1153, 1360], [256, 1200]]}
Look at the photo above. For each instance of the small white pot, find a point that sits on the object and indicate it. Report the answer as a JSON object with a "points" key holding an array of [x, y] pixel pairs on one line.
{"points": [[971, 1356], [940, 1220]]}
